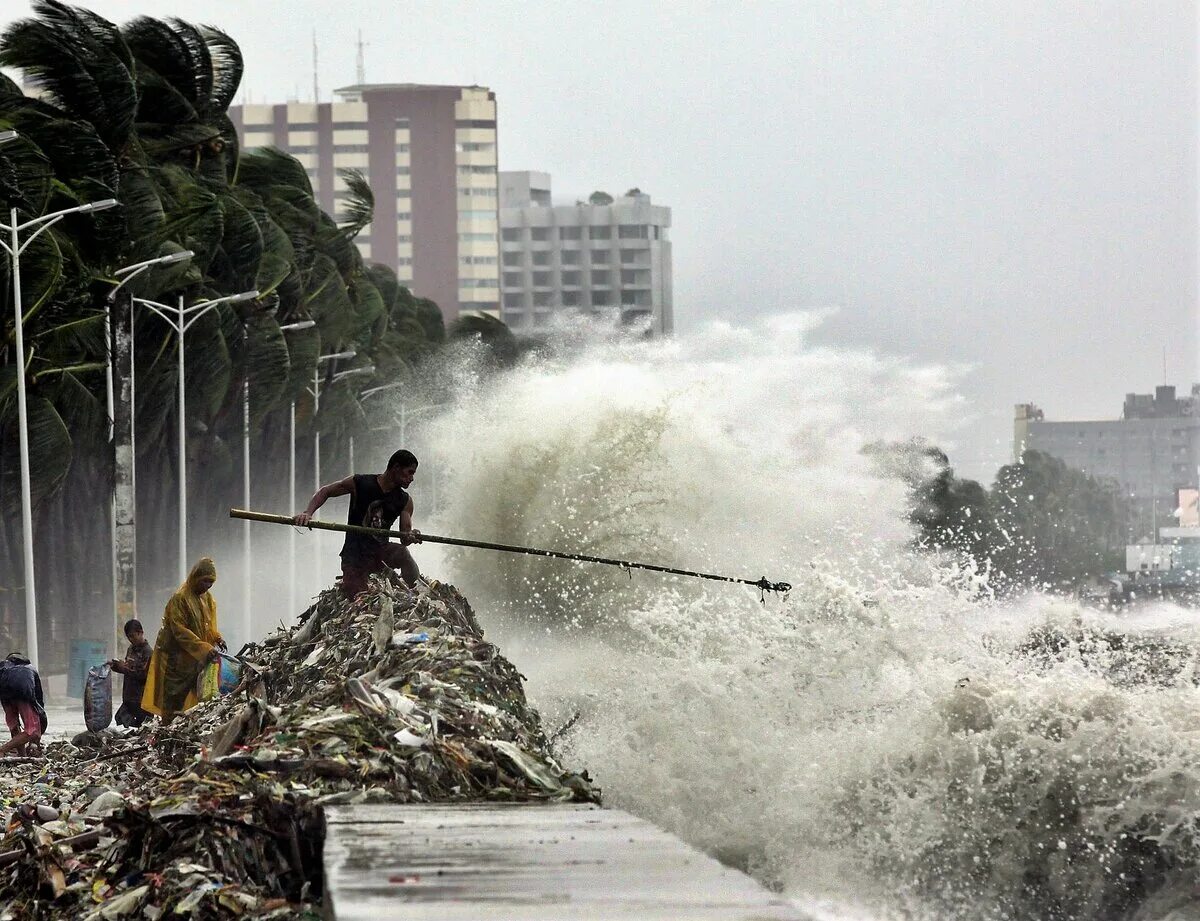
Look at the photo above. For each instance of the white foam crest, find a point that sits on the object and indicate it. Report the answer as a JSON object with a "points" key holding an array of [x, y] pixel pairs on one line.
{"points": [[824, 742]]}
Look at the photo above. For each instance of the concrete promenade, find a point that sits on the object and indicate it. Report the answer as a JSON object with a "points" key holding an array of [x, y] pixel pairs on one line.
{"points": [[527, 863]]}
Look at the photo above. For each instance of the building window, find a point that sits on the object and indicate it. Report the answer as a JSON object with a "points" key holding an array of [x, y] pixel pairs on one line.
{"points": [[477, 215], [541, 279], [569, 257], [631, 277], [599, 233], [634, 256], [487, 193], [571, 279], [570, 298], [513, 280], [404, 260], [403, 238], [350, 148], [633, 232], [600, 277], [542, 298], [349, 126], [512, 259], [541, 234], [570, 233], [476, 170], [514, 299], [511, 234], [475, 123], [601, 257], [477, 237], [477, 260], [541, 258], [401, 122], [476, 283], [471, 146], [403, 170], [628, 298], [404, 215], [601, 298], [303, 126], [404, 193]]}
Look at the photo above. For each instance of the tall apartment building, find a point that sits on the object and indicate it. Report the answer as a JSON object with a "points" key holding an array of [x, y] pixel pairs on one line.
{"points": [[429, 154], [1153, 450], [582, 257]]}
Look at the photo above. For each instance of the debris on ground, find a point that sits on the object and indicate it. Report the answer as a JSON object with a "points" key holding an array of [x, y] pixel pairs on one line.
{"points": [[395, 697]]}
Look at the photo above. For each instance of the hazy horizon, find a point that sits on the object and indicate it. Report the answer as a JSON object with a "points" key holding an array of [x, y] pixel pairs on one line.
{"points": [[1008, 189]]}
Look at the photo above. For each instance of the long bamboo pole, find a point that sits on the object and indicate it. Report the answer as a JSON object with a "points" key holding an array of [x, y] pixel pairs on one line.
{"points": [[763, 584]]}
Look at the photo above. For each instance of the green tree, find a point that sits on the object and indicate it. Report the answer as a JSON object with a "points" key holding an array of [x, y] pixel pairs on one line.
{"points": [[140, 113], [1054, 525]]}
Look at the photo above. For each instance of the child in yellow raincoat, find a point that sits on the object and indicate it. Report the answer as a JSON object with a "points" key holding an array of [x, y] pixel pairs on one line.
{"points": [[187, 640]]}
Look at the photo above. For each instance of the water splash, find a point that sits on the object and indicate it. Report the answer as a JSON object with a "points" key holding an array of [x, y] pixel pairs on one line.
{"points": [[880, 743]]}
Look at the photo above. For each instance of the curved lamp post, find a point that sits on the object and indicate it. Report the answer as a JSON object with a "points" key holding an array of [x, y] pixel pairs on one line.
{"points": [[14, 247], [122, 533], [181, 319]]}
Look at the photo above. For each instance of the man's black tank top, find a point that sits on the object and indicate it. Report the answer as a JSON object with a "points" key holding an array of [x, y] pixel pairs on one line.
{"points": [[363, 547]]}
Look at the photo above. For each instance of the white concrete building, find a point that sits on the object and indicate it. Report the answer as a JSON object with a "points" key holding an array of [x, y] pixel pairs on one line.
{"points": [[582, 258]]}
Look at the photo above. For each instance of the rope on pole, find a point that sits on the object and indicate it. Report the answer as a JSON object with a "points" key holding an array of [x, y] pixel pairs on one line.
{"points": [[763, 584]]}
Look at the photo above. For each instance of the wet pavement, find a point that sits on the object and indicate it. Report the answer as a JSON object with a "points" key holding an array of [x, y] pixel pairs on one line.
{"points": [[527, 863]]}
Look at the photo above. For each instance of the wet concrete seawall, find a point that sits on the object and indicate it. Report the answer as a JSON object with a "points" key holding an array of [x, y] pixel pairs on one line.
{"points": [[541, 862]]}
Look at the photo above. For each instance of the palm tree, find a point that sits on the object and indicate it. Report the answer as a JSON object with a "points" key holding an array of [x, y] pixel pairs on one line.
{"points": [[140, 113]]}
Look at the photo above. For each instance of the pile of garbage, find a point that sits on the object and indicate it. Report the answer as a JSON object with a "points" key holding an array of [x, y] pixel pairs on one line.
{"points": [[395, 697]]}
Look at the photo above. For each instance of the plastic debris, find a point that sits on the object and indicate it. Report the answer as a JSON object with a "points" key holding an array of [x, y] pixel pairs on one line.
{"points": [[393, 697]]}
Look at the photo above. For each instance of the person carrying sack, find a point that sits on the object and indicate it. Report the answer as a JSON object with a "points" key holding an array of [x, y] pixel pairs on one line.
{"points": [[24, 705], [186, 642]]}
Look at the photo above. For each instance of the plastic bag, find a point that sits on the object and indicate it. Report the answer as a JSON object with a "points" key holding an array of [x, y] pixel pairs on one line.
{"points": [[97, 698], [218, 678]]}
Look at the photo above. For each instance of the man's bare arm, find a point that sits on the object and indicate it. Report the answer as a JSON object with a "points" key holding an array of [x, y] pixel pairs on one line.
{"points": [[328, 491], [406, 525]]}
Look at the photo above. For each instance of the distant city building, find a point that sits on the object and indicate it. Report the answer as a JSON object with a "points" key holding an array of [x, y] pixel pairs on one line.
{"points": [[1153, 451], [582, 257], [429, 154]]}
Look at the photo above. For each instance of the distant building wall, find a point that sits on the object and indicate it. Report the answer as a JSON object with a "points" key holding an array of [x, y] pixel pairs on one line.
{"points": [[584, 258], [429, 154], [1152, 452]]}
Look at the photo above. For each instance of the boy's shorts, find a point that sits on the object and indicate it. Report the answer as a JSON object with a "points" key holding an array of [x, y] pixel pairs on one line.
{"points": [[22, 716]]}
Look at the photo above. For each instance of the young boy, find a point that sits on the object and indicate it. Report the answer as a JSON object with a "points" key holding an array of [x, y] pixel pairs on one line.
{"points": [[135, 668], [24, 706]]}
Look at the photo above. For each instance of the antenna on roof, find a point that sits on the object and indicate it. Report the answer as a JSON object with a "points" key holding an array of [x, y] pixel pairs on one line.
{"points": [[360, 67], [316, 88]]}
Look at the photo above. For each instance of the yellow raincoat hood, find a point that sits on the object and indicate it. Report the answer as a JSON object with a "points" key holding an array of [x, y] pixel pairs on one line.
{"points": [[185, 640]]}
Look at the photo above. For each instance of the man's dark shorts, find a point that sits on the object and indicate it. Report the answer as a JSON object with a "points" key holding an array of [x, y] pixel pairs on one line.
{"points": [[356, 570]]}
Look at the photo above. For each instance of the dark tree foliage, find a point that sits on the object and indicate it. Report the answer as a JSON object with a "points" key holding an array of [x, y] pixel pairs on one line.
{"points": [[1042, 524], [139, 113]]}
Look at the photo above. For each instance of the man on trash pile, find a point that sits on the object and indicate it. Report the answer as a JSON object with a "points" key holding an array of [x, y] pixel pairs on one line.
{"points": [[24, 705], [376, 500], [135, 667], [187, 641]]}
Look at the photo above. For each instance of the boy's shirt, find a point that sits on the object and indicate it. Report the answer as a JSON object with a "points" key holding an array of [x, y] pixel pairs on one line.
{"points": [[135, 668]]}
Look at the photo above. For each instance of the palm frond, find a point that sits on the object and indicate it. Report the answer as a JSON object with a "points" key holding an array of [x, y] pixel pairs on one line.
{"points": [[359, 209]]}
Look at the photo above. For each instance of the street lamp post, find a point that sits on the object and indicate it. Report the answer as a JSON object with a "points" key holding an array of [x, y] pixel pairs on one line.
{"points": [[288, 328], [362, 397], [118, 339], [14, 247], [181, 319], [316, 395]]}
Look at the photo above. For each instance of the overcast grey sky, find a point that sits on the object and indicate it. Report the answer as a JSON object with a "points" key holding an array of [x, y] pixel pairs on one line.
{"points": [[1005, 185]]}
